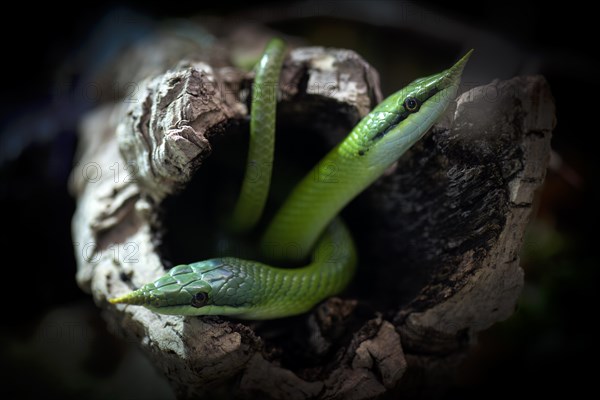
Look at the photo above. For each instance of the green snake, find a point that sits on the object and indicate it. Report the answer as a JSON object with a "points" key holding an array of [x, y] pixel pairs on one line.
{"points": [[307, 222]]}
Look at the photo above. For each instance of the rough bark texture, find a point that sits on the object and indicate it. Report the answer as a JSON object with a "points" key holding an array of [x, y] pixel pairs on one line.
{"points": [[439, 234]]}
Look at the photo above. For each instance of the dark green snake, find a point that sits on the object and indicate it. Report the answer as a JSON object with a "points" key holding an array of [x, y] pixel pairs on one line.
{"points": [[306, 222]]}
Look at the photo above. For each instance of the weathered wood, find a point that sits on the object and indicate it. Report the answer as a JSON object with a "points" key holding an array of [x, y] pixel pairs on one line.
{"points": [[439, 234]]}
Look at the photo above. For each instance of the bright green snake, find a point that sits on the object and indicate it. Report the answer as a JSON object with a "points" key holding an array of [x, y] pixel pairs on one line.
{"points": [[307, 219]]}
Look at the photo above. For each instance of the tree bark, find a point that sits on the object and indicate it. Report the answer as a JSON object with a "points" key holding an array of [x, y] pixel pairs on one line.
{"points": [[439, 235]]}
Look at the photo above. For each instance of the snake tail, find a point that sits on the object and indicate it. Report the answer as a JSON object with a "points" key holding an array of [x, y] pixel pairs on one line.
{"points": [[259, 164]]}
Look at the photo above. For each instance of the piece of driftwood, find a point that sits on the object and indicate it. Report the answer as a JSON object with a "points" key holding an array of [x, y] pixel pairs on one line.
{"points": [[439, 235]]}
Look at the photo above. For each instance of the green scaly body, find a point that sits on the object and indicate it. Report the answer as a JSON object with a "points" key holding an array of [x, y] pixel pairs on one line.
{"points": [[306, 221]]}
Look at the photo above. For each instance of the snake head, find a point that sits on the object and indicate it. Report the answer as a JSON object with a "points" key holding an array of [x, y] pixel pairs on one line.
{"points": [[405, 116], [189, 289]]}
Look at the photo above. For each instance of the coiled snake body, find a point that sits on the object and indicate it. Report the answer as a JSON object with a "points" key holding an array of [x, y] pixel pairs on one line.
{"points": [[307, 219]]}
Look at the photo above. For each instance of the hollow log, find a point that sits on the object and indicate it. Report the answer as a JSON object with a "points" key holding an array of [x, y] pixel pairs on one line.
{"points": [[439, 234]]}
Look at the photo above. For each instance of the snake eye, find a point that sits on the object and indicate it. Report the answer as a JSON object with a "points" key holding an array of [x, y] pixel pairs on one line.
{"points": [[411, 104], [199, 299]]}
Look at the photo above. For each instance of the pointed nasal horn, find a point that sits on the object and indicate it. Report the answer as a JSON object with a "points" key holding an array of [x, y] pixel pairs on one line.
{"points": [[137, 297], [456, 70]]}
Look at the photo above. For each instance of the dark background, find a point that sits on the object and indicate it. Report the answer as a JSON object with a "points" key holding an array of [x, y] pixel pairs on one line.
{"points": [[53, 340]]}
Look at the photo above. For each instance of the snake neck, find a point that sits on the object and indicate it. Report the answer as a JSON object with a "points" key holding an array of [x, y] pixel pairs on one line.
{"points": [[345, 172], [321, 195], [281, 292]]}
